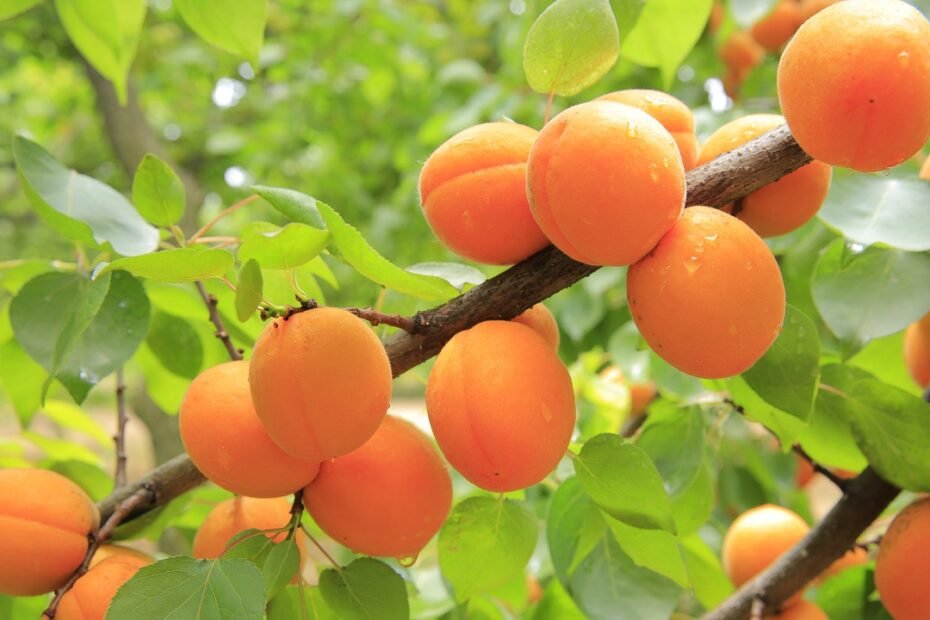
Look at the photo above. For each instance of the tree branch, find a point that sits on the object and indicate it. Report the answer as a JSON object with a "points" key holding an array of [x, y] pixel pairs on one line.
{"points": [[217, 321], [120, 438]]}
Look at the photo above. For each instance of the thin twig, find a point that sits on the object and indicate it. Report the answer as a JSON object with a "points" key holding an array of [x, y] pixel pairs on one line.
{"points": [[206, 227], [820, 469], [221, 332], [120, 438], [376, 318]]}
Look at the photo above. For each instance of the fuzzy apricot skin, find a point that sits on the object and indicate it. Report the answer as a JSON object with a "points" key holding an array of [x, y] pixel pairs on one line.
{"points": [[917, 350], [387, 498], [228, 443], [605, 182], [709, 299], [802, 610], [781, 206], [320, 383], [540, 319], [501, 405], [854, 84], [236, 514], [903, 563], [757, 538], [674, 115], [44, 522], [473, 192], [776, 28], [108, 551], [92, 593]]}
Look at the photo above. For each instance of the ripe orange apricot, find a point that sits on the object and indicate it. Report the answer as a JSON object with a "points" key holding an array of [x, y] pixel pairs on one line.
{"points": [[903, 563], [854, 84], [917, 350], [320, 383], [44, 522], [227, 441], [757, 538], [741, 53], [804, 471], [709, 299], [90, 596], [473, 192], [239, 513], [774, 30], [109, 551], [605, 181], [674, 115], [501, 405], [541, 320], [802, 610], [778, 207], [387, 498]]}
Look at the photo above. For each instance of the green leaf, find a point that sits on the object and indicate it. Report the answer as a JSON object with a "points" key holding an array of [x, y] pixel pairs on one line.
{"points": [[11, 8], [622, 479], [58, 321], [157, 192], [891, 426], [570, 46], [656, 550], [456, 274], [294, 205], [574, 525], [248, 290], [70, 416], [556, 604], [788, 373], [287, 605], [870, 209], [785, 426], [366, 260], [484, 544], [665, 33], [96, 482], [829, 438], [79, 207], [865, 294], [849, 595], [710, 584], [106, 32], [183, 587], [176, 265], [365, 589], [627, 12], [176, 344], [236, 26], [281, 248], [280, 566], [22, 380]]}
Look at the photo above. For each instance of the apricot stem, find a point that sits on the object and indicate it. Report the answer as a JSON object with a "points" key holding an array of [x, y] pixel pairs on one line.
{"points": [[828, 474], [206, 227], [406, 323]]}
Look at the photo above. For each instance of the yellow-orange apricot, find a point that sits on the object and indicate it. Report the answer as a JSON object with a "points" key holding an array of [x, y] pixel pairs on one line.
{"points": [[227, 441], [473, 192], [854, 84], [239, 513], [674, 115], [917, 350], [809, 8], [44, 522], [709, 299], [108, 551], [925, 170], [779, 207], [856, 556], [90, 596], [741, 53], [757, 538], [387, 498], [501, 405], [541, 320], [605, 181], [903, 563], [803, 472], [717, 13], [802, 610], [774, 30], [320, 383]]}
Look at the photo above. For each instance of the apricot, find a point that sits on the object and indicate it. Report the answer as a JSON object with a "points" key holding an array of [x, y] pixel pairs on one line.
{"points": [[239, 513], [674, 115], [809, 8], [903, 563], [804, 471], [709, 299], [741, 53], [44, 522], [605, 182], [802, 610], [90, 596], [917, 350], [473, 192], [320, 382], [774, 30], [109, 551], [227, 441], [387, 498], [501, 405], [854, 84], [856, 556], [540, 319], [779, 207], [757, 538]]}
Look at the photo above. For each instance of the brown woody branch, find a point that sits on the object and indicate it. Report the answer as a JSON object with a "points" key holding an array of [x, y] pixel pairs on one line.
{"points": [[119, 439], [221, 333]]}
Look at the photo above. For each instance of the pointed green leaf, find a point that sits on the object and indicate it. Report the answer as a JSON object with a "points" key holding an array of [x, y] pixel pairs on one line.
{"points": [[458, 275], [22, 380], [281, 248], [287, 605], [236, 26], [296, 206], [656, 550], [365, 589], [176, 344], [785, 426], [280, 566], [176, 265], [248, 290], [711, 585], [157, 192], [574, 525], [829, 437]]}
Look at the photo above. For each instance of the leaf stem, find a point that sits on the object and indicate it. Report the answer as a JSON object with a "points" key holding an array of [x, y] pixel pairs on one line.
{"points": [[219, 216]]}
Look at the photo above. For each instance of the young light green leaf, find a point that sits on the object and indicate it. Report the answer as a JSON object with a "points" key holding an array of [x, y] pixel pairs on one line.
{"points": [[298, 207], [106, 32], [157, 192], [236, 26], [656, 550], [70, 416], [829, 438], [711, 585], [176, 344], [627, 12], [175, 265], [96, 482], [79, 207], [556, 604], [484, 544], [456, 274], [570, 46], [281, 248], [574, 526], [11, 8], [248, 290], [22, 380], [365, 589], [183, 587], [785, 426], [622, 479]]}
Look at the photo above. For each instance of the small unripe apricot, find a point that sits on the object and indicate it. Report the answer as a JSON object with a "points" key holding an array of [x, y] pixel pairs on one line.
{"points": [[473, 192], [320, 383], [44, 522], [903, 563], [854, 84], [757, 538], [917, 350], [779, 207], [109, 551], [501, 405], [605, 182], [92, 593], [802, 610], [774, 30], [541, 320], [227, 441], [387, 498], [709, 299], [236, 514]]}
